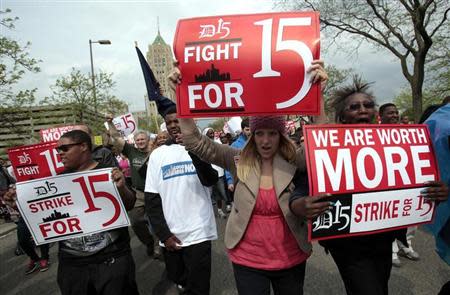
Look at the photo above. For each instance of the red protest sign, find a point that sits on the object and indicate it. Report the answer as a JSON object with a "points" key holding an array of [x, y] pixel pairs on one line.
{"points": [[35, 161], [375, 173], [247, 64], [358, 158], [54, 133]]}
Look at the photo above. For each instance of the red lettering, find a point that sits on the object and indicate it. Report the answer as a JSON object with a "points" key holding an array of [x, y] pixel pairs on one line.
{"points": [[33, 208], [387, 210], [73, 223], [366, 213], [374, 213], [45, 228], [395, 209], [358, 213], [48, 204], [51, 204], [60, 202], [60, 227]]}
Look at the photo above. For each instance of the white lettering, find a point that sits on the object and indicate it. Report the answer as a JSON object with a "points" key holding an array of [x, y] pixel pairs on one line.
{"points": [[399, 166], [419, 164], [343, 161]]}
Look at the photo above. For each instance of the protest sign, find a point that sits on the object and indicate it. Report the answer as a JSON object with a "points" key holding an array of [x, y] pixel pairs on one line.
{"points": [[54, 133], [233, 126], [71, 205], [35, 161], [125, 124], [375, 173], [247, 64]]}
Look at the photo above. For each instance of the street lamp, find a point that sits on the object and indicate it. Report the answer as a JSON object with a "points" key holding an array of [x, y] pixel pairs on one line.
{"points": [[101, 42]]}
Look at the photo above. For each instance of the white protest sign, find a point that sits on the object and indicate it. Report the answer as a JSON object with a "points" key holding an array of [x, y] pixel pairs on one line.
{"points": [[387, 209], [125, 124], [71, 205], [233, 125]]}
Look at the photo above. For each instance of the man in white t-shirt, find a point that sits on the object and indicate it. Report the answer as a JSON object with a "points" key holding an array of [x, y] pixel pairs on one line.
{"points": [[178, 204]]}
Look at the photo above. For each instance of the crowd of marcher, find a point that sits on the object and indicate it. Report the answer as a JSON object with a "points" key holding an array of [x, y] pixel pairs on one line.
{"points": [[172, 186]]}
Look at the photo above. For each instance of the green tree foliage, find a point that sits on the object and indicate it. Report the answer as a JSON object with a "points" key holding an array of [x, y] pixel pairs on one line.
{"points": [[217, 124], [405, 28], [403, 101], [336, 78], [15, 62], [76, 89], [150, 124]]}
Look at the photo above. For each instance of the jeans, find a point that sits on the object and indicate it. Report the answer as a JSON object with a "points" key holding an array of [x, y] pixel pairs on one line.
{"points": [[27, 245]]}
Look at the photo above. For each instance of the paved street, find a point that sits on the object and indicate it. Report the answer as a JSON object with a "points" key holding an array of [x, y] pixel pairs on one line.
{"points": [[422, 277]]}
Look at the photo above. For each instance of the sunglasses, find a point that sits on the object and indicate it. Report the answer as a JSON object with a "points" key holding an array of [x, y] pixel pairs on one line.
{"points": [[66, 147], [357, 106]]}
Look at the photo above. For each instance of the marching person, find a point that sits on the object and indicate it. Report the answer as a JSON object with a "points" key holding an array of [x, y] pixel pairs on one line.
{"points": [[137, 156], [218, 193], [178, 203], [364, 262], [266, 243], [100, 263], [100, 154], [239, 143], [389, 115]]}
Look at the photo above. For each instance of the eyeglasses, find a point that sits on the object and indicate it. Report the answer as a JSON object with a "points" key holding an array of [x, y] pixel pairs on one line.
{"points": [[357, 106], [66, 147]]}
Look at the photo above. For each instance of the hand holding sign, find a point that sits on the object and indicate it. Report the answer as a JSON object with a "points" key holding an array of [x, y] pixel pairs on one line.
{"points": [[437, 191], [318, 73], [125, 124], [311, 207], [381, 177], [72, 205]]}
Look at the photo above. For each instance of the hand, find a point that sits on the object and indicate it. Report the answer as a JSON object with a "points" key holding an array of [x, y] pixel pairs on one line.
{"points": [[172, 243], [437, 191], [231, 187], [179, 138], [10, 197], [174, 77], [109, 118], [310, 207], [118, 177], [318, 73]]}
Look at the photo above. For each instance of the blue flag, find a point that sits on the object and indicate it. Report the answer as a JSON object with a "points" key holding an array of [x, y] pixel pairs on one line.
{"points": [[153, 93]]}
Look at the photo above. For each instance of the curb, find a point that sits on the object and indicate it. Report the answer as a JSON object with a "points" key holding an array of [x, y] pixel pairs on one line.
{"points": [[6, 228]]}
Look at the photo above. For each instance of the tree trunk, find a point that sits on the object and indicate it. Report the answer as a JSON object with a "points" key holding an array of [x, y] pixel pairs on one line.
{"points": [[416, 91]]}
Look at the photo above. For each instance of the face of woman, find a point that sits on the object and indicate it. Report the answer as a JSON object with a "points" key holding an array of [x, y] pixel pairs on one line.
{"points": [[359, 109], [267, 142]]}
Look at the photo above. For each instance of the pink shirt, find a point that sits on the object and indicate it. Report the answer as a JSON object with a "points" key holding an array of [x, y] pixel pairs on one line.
{"points": [[268, 243], [124, 165]]}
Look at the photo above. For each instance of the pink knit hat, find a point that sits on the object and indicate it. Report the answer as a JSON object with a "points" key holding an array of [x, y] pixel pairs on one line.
{"points": [[268, 122]]}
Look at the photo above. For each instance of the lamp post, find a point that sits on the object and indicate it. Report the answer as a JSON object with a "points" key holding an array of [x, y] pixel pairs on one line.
{"points": [[102, 42]]}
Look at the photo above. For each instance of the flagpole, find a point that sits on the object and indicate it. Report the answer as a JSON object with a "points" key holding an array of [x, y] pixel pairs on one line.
{"points": [[154, 116]]}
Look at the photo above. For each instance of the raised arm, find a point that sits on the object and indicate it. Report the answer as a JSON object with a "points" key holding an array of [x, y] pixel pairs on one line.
{"points": [[117, 141], [209, 151]]}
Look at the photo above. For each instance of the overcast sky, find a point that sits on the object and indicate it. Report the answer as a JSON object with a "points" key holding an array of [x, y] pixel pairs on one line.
{"points": [[60, 31]]}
